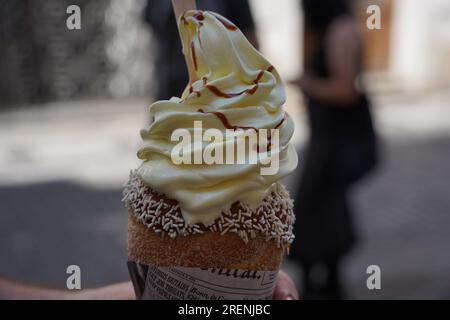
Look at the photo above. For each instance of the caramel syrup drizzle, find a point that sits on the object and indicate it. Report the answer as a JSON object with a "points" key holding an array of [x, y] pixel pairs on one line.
{"points": [[226, 123], [225, 23], [200, 17], [222, 94], [269, 144]]}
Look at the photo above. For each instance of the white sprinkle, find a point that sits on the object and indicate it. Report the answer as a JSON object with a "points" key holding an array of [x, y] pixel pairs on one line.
{"points": [[273, 219]]}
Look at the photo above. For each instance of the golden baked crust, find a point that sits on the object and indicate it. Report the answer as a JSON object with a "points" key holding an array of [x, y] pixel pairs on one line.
{"points": [[206, 250]]}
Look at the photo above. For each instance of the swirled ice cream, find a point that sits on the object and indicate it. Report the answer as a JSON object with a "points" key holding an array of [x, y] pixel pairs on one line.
{"points": [[235, 87]]}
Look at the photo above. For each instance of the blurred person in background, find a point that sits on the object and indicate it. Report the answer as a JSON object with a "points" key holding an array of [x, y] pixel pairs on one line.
{"points": [[341, 149], [171, 75]]}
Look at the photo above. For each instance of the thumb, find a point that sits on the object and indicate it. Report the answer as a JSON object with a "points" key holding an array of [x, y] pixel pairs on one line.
{"points": [[285, 288]]}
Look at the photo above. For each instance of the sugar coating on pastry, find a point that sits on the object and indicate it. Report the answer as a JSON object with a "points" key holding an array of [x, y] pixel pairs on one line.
{"points": [[274, 218]]}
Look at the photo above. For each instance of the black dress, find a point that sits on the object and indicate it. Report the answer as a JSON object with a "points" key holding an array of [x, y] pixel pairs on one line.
{"points": [[340, 151]]}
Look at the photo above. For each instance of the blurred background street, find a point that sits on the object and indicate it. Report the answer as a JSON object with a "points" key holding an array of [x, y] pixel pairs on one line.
{"points": [[66, 147]]}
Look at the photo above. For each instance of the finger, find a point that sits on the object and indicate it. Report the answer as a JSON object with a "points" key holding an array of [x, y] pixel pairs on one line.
{"points": [[285, 288]]}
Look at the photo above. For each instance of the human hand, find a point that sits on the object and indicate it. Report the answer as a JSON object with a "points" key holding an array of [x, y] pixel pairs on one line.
{"points": [[285, 288]]}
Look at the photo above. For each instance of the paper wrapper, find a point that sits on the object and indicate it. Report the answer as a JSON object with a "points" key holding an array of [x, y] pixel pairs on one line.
{"points": [[207, 266], [181, 283]]}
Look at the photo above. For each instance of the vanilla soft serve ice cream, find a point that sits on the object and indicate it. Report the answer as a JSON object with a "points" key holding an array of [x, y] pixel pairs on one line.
{"points": [[234, 87]]}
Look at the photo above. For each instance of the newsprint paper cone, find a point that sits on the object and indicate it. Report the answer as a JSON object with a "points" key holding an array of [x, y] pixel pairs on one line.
{"points": [[180, 283]]}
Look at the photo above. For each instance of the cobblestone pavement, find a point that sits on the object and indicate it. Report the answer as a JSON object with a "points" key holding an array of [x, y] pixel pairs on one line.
{"points": [[60, 197]]}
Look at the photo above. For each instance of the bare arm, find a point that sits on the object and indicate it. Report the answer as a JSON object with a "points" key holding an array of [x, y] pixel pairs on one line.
{"points": [[11, 290], [342, 48]]}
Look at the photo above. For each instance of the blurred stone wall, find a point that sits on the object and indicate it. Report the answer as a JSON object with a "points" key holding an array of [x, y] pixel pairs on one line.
{"points": [[41, 60]]}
